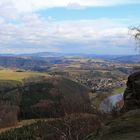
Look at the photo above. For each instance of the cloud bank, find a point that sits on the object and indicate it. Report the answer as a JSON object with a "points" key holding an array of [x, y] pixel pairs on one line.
{"points": [[22, 29], [33, 31]]}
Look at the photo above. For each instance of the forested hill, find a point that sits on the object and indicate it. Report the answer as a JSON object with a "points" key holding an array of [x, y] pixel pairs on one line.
{"points": [[50, 97]]}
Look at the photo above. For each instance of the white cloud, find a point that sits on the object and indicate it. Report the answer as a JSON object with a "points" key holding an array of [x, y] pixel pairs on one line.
{"points": [[33, 5], [33, 31], [7, 10], [75, 6]]}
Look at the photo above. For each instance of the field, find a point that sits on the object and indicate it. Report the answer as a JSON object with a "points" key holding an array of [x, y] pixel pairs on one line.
{"points": [[118, 90], [7, 74]]}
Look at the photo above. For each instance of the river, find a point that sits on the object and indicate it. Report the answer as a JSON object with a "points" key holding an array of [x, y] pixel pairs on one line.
{"points": [[108, 103]]}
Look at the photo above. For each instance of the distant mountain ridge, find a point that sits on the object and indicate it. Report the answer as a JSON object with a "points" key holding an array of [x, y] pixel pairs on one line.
{"points": [[58, 54], [128, 59], [115, 58], [19, 62]]}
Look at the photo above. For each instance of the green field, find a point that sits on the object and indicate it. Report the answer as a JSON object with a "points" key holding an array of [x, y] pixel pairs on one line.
{"points": [[119, 90], [7, 74]]}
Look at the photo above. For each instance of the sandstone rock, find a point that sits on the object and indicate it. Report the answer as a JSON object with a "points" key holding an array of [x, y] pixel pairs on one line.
{"points": [[132, 92]]}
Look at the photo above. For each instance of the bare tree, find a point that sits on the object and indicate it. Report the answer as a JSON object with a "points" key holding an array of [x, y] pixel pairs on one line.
{"points": [[135, 33]]}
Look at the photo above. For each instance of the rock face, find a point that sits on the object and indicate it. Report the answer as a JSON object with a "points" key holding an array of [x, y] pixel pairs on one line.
{"points": [[132, 92]]}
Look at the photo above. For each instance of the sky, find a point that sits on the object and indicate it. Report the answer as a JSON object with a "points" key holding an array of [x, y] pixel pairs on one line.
{"points": [[68, 26]]}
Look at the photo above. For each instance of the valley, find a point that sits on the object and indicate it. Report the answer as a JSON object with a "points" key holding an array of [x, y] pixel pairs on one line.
{"points": [[58, 95]]}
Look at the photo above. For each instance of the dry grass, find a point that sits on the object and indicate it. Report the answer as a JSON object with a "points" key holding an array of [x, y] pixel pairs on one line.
{"points": [[26, 122], [7, 74]]}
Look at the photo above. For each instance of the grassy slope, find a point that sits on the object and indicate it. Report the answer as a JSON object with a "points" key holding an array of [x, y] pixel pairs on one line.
{"points": [[126, 127], [7, 74]]}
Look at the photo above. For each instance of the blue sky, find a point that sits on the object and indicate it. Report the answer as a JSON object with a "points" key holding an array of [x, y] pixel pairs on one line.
{"points": [[121, 11], [74, 26]]}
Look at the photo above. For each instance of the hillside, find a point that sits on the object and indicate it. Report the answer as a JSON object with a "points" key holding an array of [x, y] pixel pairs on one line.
{"points": [[126, 127], [53, 97], [71, 127], [39, 96]]}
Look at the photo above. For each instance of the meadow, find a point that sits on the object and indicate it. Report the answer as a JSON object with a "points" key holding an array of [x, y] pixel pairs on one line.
{"points": [[8, 74]]}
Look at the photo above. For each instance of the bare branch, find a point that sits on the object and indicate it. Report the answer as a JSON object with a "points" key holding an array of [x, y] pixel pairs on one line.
{"points": [[135, 33]]}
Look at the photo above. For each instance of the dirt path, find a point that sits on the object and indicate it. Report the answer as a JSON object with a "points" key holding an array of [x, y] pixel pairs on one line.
{"points": [[25, 122]]}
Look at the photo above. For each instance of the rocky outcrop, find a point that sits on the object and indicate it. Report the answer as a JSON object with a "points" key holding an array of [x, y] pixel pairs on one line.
{"points": [[127, 126], [132, 92]]}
